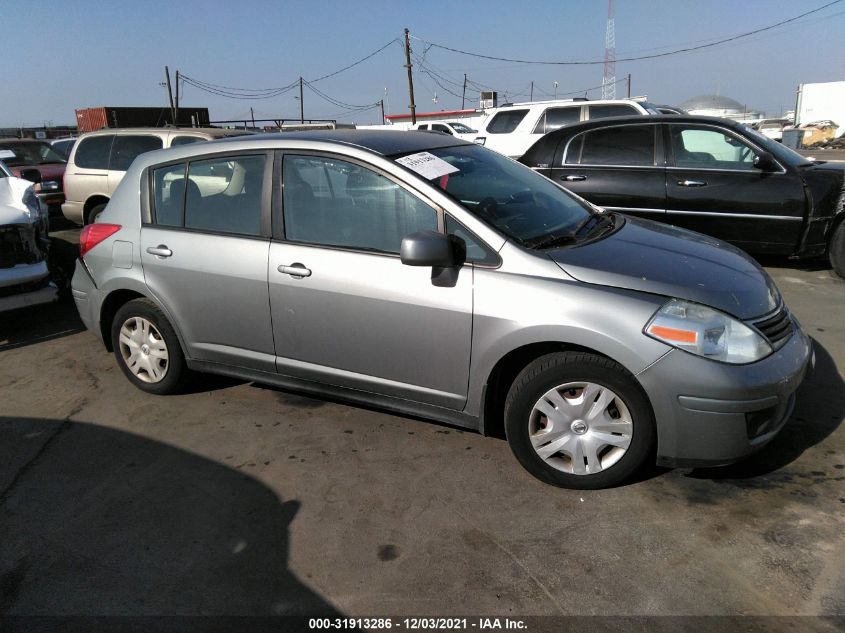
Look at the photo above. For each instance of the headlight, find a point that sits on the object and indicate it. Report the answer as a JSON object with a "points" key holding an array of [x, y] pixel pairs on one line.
{"points": [[50, 185], [706, 332]]}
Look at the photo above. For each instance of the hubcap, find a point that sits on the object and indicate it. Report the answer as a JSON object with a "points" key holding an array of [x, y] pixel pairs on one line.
{"points": [[143, 349], [580, 428]]}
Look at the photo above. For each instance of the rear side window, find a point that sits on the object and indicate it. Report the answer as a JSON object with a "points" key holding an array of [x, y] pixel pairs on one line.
{"points": [[554, 118], [624, 145], [125, 149], [506, 122], [607, 111], [93, 152], [185, 140], [440, 128], [221, 195]]}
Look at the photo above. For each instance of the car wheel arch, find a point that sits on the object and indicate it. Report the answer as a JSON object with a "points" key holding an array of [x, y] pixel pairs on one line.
{"points": [[508, 367], [119, 297], [91, 203]]}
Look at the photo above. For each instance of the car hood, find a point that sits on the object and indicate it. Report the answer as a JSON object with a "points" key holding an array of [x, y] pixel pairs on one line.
{"points": [[13, 210], [665, 260]]}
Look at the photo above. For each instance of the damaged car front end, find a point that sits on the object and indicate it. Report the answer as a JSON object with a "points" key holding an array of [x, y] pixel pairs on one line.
{"points": [[24, 246]]}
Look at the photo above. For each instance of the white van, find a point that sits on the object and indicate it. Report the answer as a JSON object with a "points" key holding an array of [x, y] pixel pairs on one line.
{"points": [[513, 128], [453, 128]]}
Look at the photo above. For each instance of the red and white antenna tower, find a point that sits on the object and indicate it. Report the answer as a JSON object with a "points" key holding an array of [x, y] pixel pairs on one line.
{"points": [[608, 82]]}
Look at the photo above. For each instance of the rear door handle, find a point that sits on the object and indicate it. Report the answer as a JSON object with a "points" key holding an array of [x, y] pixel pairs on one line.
{"points": [[692, 183], [573, 178], [159, 251], [295, 270]]}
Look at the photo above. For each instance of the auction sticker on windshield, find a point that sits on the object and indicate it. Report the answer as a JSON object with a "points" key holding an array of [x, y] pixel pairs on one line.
{"points": [[427, 165]]}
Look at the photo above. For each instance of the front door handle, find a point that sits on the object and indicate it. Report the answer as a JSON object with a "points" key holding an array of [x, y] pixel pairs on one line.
{"points": [[574, 178], [160, 251], [692, 183], [295, 270]]}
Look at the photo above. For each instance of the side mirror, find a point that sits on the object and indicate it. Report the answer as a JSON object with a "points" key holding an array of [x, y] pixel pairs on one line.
{"points": [[426, 248], [765, 161], [31, 174]]}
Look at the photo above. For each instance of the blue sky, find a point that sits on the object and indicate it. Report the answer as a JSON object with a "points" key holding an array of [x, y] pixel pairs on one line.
{"points": [[73, 53]]}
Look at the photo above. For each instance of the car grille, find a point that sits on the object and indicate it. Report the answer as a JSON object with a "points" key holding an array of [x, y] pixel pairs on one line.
{"points": [[776, 327], [18, 245]]}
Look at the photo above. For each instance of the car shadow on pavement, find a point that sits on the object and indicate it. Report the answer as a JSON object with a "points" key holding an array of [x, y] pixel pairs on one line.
{"points": [[25, 326], [819, 410], [97, 521]]}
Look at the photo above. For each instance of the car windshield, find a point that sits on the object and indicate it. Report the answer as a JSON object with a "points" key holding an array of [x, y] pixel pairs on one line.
{"points": [[778, 150], [522, 204], [36, 153], [460, 128]]}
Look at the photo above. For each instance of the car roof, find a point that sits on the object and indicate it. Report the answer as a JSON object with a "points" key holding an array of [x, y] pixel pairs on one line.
{"points": [[384, 142], [536, 153], [215, 132]]}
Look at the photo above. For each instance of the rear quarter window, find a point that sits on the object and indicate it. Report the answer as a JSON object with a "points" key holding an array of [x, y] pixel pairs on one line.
{"points": [[611, 110], [185, 140], [506, 122], [93, 152]]}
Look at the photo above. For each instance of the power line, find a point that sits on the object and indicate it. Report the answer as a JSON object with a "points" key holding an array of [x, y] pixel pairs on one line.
{"points": [[363, 59], [632, 59], [341, 104]]}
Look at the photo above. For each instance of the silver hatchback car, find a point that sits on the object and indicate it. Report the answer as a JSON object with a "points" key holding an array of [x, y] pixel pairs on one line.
{"points": [[431, 276]]}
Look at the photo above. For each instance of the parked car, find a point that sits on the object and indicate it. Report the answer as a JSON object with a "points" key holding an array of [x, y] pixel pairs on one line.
{"points": [[453, 128], [39, 163], [706, 174], [427, 275], [772, 128], [24, 278], [99, 160], [512, 129], [64, 145]]}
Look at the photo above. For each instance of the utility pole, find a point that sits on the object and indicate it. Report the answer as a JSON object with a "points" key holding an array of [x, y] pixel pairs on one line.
{"points": [[381, 103], [176, 110], [464, 94], [170, 93], [410, 77], [531, 98], [629, 85], [252, 116], [301, 103]]}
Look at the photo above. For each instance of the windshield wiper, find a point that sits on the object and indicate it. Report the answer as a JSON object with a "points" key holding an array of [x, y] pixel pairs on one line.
{"points": [[553, 240]]}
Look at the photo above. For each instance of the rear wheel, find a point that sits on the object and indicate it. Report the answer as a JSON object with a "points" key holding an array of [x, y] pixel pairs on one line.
{"points": [[578, 420], [147, 349], [836, 250], [94, 213]]}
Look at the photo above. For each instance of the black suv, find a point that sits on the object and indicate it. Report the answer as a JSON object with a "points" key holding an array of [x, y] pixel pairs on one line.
{"points": [[710, 175]]}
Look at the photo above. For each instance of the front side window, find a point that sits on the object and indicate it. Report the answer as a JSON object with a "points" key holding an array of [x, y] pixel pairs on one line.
{"points": [[506, 122], [336, 203], [440, 128], [519, 202], [93, 152], [611, 110], [630, 145], [221, 195], [460, 128], [705, 148], [125, 149]]}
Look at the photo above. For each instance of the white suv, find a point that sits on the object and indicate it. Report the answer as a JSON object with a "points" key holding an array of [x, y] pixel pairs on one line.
{"points": [[512, 129]]}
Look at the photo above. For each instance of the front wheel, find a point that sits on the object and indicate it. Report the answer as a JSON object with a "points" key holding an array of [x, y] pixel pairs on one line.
{"points": [[95, 213], [578, 420], [836, 250], [147, 349]]}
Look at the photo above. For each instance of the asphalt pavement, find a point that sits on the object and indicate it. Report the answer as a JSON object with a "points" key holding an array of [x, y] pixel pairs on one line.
{"points": [[244, 499]]}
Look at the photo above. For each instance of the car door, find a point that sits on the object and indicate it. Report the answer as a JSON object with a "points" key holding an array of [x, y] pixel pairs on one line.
{"points": [[125, 149], [204, 253], [619, 167], [714, 187], [346, 311]]}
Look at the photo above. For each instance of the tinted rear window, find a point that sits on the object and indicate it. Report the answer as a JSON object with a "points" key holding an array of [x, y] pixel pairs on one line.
{"points": [[127, 148], [505, 122], [185, 140], [624, 145], [93, 152]]}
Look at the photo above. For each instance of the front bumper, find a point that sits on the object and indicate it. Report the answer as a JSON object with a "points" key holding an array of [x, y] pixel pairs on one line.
{"points": [[711, 413], [28, 292]]}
